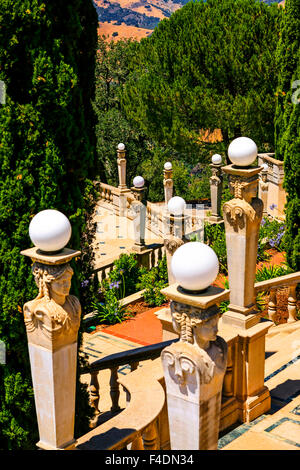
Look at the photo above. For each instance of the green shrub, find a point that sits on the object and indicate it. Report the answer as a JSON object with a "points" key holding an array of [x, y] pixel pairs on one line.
{"points": [[126, 270], [111, 311], [270, 272], [153, 281]]}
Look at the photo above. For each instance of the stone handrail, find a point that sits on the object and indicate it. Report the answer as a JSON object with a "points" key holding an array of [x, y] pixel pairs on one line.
{"points": [[141, 430]]}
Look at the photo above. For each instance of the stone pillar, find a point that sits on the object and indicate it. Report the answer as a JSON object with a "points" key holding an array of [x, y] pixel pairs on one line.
{"points": [[263, 188], [124, 191], [121, 159], [52, 320], [168, 182], [216, 183], [242, 217], [194, 370], [138, 212], [174, 238]]}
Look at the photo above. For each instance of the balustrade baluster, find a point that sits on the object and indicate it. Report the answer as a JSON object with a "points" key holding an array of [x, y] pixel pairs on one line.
{"points": [[150, 437], [228, 379], [137, 444], [292, 300], [272, 306], [94, 391], [114, 389]]}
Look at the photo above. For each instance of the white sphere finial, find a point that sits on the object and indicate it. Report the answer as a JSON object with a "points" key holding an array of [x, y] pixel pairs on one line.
{"points": [[138, 181], [242, 151], [195, 266], [50, 230], [168, 166], [264, 167], [216, 159], [121, 146], [176, 205]]}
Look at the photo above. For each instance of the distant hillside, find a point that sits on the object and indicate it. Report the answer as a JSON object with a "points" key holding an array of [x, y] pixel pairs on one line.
{"points": [[125, 18]]}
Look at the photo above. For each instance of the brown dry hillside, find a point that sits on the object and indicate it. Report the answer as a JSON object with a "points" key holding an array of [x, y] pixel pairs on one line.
{"points": [[120, 19]]}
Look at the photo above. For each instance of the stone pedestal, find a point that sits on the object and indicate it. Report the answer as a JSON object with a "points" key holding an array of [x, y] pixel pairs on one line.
{"points": [[276, 197], [194, 370], [242, 217], [52, 320], [168, 185], [216, 183], [174, 238], [138, 213]]}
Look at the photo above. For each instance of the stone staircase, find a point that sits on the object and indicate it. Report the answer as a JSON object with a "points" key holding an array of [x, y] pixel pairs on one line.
{"points": [[280, 428]]}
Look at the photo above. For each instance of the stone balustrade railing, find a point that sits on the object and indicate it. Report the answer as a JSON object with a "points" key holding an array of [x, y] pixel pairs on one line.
{"points": [[150, 259], [112, 362]]}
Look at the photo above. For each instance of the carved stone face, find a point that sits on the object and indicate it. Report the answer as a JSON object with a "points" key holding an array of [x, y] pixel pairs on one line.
{"points": [[62, 285], [207, 330]]}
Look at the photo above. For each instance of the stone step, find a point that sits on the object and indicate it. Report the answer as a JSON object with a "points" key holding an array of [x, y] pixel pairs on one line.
{"points": [[281, 351]]}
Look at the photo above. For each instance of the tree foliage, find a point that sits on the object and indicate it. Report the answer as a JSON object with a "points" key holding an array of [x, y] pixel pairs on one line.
{"points": [[113, 126], [47, 154], [287, 125], [209, 66]]}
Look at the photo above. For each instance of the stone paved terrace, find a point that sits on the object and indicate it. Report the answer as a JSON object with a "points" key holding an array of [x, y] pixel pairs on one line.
{"points": [[115, 234]]}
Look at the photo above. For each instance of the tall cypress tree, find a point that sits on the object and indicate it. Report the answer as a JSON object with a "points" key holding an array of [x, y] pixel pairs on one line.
{"points": [[287, 124], [47, 156]]}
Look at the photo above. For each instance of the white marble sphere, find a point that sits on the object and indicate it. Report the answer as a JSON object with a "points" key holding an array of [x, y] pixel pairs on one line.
{"points": [[50, 230], [264, 167], [176, 205], [242, 151], [138, 181], [168, 166], [195, 266], [121, 146], [216, 159]]}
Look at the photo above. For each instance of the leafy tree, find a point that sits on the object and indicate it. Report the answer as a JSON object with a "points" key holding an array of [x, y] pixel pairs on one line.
{"points": [[210, 66], [287, 125], [47, 155], [112, 124]]}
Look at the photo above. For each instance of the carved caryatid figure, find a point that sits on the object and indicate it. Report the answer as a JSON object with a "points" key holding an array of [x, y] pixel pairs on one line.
{"points": [[194, 372], [53, 317]]}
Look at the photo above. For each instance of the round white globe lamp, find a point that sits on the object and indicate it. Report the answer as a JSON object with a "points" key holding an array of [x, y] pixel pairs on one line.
{"points": [[242, 151], [195, 266], [168, 166], [138, 182], [264, 167], [176, 205], [121, 146], [50, 230], [216, 159]]}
